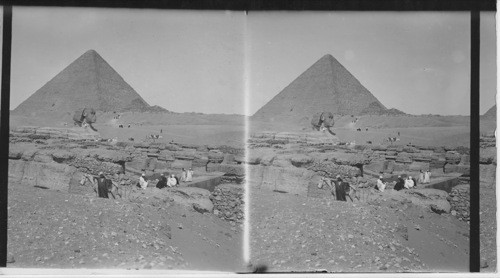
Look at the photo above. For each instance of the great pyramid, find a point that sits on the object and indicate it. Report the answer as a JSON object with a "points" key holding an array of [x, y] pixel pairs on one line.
{"points": [[491, 113], [87, 82], [325, 86]]}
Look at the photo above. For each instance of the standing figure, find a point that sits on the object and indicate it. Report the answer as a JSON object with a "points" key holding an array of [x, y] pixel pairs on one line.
{"points": [[427, 177], [102, 186], [183, 175], [189, 176], [421, 177], [340, 190]]}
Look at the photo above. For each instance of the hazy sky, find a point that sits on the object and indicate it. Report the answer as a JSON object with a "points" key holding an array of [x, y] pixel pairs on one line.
{"points": [[195, 60]]}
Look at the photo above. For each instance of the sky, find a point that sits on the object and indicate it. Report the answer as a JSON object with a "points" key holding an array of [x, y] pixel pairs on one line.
{"points": [[204, 61]]}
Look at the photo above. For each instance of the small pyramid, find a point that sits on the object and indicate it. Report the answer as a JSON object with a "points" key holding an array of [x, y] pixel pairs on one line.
{"points": [[325, 86], [491, 113], [87, 82]]}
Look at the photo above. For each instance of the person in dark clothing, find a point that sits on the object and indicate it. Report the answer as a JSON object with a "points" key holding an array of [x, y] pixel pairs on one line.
{"points": [[340, 189], [177, 180], [102, 186], [400, 184], [162, 183], [414, 182]]}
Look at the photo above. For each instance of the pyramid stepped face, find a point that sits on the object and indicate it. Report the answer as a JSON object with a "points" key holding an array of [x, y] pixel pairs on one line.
{"points": [[491, 113], [325, 86], [87, 82]]}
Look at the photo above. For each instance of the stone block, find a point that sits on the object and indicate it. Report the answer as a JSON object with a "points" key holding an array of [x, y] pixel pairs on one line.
{"points": [[462, 169]]}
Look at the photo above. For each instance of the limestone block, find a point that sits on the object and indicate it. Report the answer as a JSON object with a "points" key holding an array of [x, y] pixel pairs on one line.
{"points": [[180, 163], [61, 156], [452, 168], [299, 160]]}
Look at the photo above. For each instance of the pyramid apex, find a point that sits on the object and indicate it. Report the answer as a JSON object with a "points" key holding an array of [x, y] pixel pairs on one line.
{"points": [[91, 52]]}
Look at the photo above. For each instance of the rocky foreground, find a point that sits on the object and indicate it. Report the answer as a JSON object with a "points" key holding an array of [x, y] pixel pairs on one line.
{"points": [[388, 234], [57, 222], [298, 227]]}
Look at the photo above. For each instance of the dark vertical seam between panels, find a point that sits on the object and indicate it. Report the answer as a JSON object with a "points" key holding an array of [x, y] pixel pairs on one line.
{"points": [[474, 251], [4, 131]]}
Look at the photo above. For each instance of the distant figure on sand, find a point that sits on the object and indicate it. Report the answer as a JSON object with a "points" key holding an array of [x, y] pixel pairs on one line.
{"points": [[408, 183], [427, 177], [142, 181], [189, 176], [400, 184], [421, 177], [183, 175], [381, 184], [171, 181], [340, 189], [162, 183], [102, 186]]}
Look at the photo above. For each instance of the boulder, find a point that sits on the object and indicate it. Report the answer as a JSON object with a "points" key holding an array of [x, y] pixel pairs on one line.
{"points": [[15, 153], [300, 160], [61, 156], [29, 154], [487, 155], [251, 159], [197, 198], [462, 169], [441, 206], [267, 159]]}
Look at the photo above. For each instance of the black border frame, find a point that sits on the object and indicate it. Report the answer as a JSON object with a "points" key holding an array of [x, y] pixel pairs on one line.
{"points": [[261, 5]]}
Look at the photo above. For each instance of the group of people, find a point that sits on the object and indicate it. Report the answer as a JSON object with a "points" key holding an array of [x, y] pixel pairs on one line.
{"points": [[407, 183], [171, 181]]}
